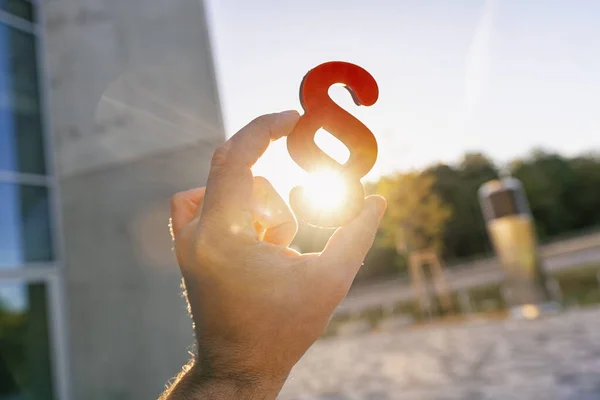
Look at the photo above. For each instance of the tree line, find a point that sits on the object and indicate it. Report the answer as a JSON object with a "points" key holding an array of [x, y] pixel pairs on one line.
{"points": [[438, 206]]}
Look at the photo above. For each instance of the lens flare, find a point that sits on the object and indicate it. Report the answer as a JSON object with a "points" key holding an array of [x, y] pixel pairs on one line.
{"points": [[530, 311]]}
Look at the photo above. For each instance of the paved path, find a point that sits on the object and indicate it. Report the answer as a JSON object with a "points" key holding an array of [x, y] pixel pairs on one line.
{"points": [[555, 358]]}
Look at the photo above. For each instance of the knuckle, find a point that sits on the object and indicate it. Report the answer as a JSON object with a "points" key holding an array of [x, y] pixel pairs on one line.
{"points": [[263, 122], [221, 154], [209, 249], [176, 200], [205, 254], [261, 181]]}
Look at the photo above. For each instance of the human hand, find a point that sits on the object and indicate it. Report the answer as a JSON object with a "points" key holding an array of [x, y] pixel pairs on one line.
{"points": [[257, 305]]}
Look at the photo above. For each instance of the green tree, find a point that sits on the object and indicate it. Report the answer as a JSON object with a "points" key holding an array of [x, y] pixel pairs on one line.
{"points": [[584, 196], [416, 214], [549, 182], [465, 232]]}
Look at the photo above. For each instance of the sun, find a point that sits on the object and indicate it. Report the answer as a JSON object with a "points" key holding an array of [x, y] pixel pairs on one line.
{"points": [[325, 190]]}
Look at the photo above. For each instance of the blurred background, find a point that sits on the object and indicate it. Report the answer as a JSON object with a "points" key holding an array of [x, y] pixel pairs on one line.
{"points": [[484, 281]]}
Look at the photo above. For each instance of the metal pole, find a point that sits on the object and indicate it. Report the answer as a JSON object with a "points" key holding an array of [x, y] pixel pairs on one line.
{"points": [[465, 302], [506, 295], [555, 290]]}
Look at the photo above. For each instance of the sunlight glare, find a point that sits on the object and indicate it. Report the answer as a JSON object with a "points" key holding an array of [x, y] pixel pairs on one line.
{"points": [[326, 190]]}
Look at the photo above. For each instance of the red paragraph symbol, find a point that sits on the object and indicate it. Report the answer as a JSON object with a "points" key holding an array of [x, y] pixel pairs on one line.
{"points": [[320, 111]]}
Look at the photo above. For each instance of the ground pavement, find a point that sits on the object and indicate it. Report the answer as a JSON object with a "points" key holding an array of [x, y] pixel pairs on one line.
{"points": [[552, 358]]}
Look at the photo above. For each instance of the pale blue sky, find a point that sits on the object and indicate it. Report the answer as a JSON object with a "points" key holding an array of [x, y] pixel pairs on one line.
{"points": [[463, 75]]}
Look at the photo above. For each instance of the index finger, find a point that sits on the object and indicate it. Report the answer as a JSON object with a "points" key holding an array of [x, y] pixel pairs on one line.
{"points": [[229, 188]]}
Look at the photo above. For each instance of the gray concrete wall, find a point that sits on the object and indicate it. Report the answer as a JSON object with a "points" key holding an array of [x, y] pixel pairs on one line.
{"points": [[128, 79], [135, 117], [128, 325]]}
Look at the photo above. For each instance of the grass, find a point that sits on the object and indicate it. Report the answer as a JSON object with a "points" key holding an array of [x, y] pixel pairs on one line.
{"points": [[579, 287]]}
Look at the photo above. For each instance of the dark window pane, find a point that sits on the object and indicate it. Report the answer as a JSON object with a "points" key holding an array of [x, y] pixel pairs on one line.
{"points": [[21, 140], [504, 203], [24, 224], [20, 8], [24, 350]]}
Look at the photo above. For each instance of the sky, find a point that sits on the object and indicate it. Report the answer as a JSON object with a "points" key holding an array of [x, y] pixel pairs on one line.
{"points": [[496, 76]]}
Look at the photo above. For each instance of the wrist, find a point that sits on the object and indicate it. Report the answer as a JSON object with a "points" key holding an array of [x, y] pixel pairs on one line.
{"points": [[205, 383]]}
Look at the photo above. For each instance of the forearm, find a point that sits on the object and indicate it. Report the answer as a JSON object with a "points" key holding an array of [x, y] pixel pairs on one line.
{"points": [[192, 384]]}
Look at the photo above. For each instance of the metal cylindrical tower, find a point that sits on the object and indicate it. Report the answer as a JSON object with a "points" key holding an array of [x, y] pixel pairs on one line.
{"points": [[512, 232]]}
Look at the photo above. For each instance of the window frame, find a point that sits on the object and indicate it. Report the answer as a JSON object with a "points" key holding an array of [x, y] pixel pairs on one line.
{"points": [[51, 274]]}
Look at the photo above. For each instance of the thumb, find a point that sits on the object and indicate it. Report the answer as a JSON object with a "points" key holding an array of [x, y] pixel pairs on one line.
{"points": [[347, 248]]}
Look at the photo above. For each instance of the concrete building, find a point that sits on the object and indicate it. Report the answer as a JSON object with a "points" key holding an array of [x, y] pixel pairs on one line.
{"points": [[107, 108]]}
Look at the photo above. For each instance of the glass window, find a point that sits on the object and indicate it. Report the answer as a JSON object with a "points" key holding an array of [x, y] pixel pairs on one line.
{"points": [[20, 8], [24, 224], [21, 140], [24, 349], [504, 203]]}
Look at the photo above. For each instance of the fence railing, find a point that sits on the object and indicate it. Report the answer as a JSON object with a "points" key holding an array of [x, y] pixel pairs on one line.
{"points": [[472, 274]]}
